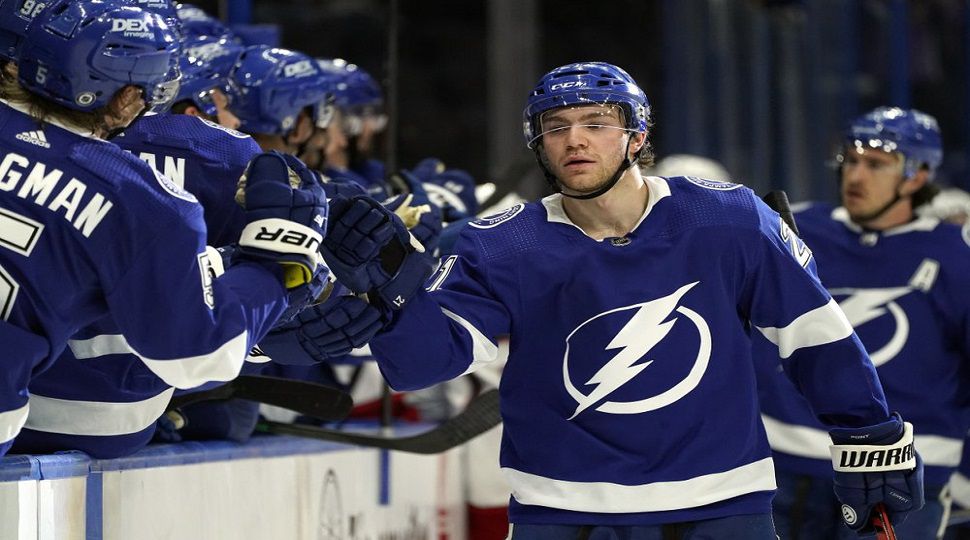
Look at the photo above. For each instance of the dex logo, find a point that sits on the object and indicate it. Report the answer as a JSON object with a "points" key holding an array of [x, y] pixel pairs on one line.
{"points": [[645, 326], [129, 25], [298, 69], [565, 85]]}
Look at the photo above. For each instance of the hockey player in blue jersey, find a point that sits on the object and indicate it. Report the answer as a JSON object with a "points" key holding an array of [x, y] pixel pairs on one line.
{"points": [[79, 402], [117, 237], [901, 281], [629, 401]]}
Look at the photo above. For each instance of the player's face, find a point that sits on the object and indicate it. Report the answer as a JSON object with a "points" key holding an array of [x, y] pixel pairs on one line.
{"points": [[871, 179], [335, 153], [584, 146], [224, 116]]}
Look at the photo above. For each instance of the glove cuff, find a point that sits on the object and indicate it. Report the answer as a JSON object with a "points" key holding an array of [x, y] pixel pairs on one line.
{"points": [[858, 458]]}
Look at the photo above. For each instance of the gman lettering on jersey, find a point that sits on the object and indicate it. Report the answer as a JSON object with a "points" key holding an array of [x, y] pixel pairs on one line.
{"points": [[48, 187]]}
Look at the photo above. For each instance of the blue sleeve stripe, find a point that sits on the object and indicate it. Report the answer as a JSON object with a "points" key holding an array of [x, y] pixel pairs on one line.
{"points": [[223, 364], [483, 350]]}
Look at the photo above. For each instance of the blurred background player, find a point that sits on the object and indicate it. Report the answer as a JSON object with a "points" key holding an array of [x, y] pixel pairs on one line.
{"points": [[642, 451], [114, 201], [690, 165], [901, 280]]}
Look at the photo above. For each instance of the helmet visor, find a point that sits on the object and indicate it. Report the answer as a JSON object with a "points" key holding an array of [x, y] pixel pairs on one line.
{"points": [[591, 120]]}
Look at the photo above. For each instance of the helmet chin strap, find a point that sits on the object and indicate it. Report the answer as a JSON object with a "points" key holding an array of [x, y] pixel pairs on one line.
{"points": [[554, 182], [884, 208]]}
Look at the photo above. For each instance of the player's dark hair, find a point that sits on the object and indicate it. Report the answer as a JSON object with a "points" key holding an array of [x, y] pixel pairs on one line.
{"points": [[646, 156], [925, 194]]}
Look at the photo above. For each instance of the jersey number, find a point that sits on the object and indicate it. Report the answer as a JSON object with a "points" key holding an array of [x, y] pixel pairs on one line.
{"points": [[19, 234], [798, 249]]}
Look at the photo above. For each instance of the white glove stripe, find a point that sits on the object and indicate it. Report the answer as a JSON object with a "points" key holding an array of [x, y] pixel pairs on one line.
{"points": [[899, 456], [281, 236]]}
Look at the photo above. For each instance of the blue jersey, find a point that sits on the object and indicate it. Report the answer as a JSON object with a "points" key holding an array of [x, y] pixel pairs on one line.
{"points": [[905, 291], [629, 394], [101, 396]]}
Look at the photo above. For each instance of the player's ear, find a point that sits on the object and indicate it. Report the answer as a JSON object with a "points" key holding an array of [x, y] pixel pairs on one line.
{"points": [[915, 182], [639, 139]]}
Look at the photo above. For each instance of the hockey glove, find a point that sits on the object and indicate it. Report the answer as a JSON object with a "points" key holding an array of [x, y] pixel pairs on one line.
{"points": [[286, 214], [370, 250], [323, 332], [423, 220], [876, 464], [298, 298]]}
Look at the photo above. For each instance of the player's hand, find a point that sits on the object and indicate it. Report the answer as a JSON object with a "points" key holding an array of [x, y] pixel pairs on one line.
{"points": [[286, 214], [370, 250], [876, 464]]}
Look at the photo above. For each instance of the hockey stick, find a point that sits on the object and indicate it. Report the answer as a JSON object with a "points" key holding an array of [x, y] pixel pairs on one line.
{"points": [[778, 201], [880, 522], [306, 398], [481, 415]]}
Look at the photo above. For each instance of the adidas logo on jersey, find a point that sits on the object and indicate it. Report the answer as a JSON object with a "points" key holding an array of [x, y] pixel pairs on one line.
{"points": [[34, 137]]}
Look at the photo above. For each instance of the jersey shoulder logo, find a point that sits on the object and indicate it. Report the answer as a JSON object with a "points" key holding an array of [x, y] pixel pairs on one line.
{"points": [[234, 133], [643, 329], [173, 188], [712, 184], [498, 219]]}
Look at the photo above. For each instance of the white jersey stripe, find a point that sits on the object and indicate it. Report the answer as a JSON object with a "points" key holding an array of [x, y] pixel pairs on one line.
{"points": [[606, 497], [826, 324], [102, 345], [813, 443], [484, 352], [223, 364], [76, 417], [11, 422]]}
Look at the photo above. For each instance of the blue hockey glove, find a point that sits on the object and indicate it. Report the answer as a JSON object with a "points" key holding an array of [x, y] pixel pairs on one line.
{"points": [[324, 331], [298, 298], [286, 214], [423, 220], [428, 167], [369, 249], [876, 464], [337, 186], [454, 191]]}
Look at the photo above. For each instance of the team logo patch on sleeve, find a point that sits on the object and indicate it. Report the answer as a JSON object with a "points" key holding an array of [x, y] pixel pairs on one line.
{"points": [[234, 133], [498, 219], [712, 184], [173, 188]]}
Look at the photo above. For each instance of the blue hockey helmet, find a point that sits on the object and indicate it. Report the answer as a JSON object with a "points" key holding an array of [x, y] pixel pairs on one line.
{"points": [[197, 23], [205, 65], [165, 8], [271, 86], [79, 53], [15, 15], [914, 134], [585, 83]]}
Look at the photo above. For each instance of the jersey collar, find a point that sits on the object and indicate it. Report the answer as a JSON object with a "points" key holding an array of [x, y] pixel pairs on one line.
{"points": [[52, 121], [920, 224], [657, 189]]}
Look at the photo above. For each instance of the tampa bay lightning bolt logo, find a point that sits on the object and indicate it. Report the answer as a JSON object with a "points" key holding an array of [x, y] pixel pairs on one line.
{"points": [[646, 326], [865, 305]]}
